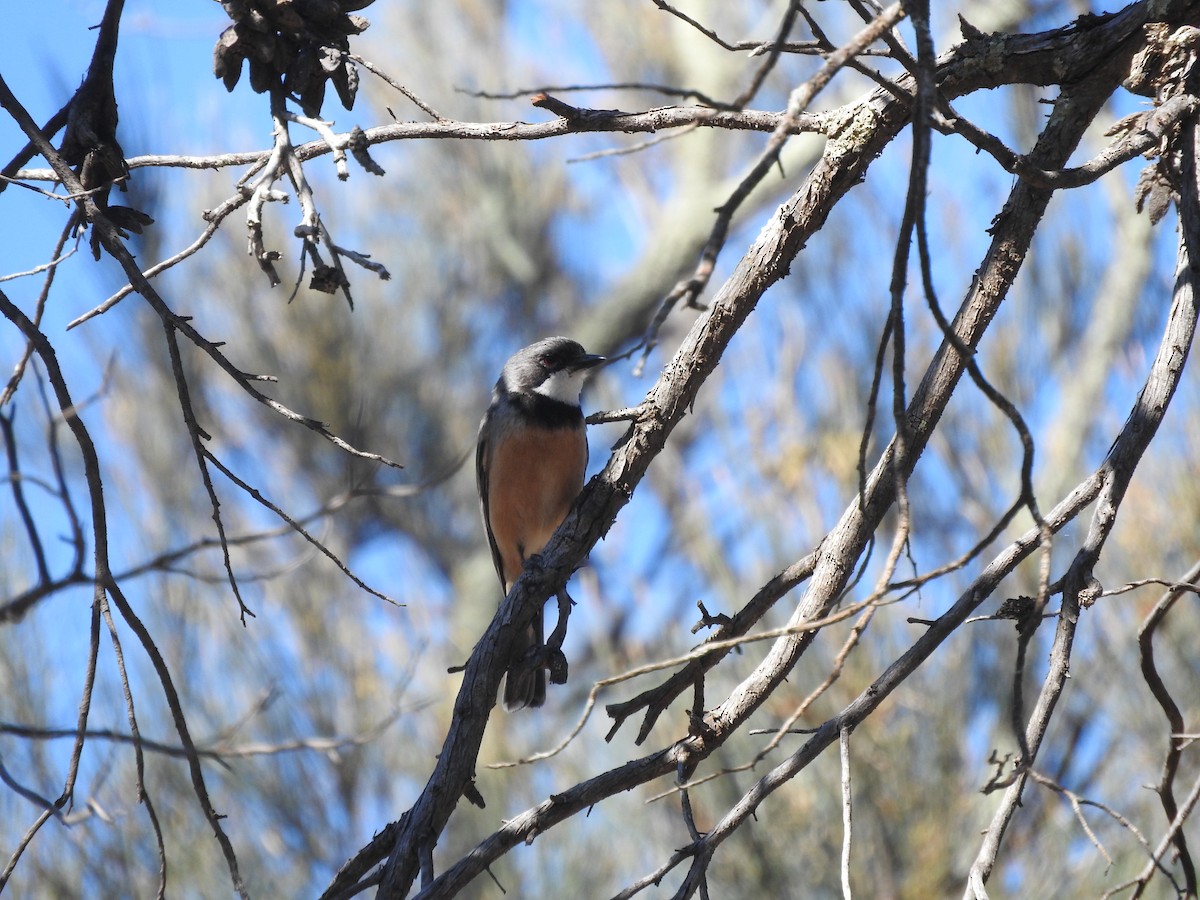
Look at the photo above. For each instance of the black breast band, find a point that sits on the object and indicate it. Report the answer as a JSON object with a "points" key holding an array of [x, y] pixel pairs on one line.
{"points": [[546, 412]]}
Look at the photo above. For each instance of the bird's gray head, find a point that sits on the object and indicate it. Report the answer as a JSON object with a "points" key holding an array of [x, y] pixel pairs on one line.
{"points": [[554, 367]]}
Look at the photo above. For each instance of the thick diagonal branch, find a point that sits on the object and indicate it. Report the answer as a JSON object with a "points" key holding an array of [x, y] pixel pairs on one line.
{"points": [[1090, 56]]}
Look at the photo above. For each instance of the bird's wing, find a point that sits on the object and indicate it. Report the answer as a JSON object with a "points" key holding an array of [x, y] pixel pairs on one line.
{"points": [[482, 453]]}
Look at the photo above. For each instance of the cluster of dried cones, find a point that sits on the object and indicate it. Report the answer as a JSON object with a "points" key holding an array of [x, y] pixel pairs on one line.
{"points": [[296, 46]]}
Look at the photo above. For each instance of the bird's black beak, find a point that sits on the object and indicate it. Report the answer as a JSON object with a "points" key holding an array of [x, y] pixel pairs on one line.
{"points": [[589, 361]]}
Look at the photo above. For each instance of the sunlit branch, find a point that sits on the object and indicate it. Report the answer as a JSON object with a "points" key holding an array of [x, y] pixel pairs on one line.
{"points": [[633, 122], [1175, 720], [1080, 588], [688, 290], [564, 804], [1141, 133]]}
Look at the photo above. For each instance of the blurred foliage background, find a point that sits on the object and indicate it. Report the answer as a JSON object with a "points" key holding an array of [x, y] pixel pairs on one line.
{"points": [[328, 706]]}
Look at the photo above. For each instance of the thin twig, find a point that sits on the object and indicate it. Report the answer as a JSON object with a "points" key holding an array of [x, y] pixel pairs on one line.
{"points": [[1169, 839], [197, 436], [298, 528], [379, 73], [847, 809], [688, 290], [51, 270]]}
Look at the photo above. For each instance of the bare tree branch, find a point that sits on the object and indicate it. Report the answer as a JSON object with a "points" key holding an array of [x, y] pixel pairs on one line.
{"points": [[1175, 721], [1149, 46], [1080, 587], [847, 153]]}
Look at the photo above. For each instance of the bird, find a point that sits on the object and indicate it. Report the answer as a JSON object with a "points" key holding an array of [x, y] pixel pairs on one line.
{"points": [[530, 460]]}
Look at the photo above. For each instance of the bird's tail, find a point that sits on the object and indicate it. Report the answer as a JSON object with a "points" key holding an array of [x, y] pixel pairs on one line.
{"points": [[524, 685]]}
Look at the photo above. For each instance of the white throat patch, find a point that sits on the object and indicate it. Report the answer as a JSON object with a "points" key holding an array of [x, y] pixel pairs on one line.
{"points": [[564, 386]]}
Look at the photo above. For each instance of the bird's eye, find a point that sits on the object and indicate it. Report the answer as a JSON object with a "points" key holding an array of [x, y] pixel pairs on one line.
{"points": [[546, 362]]}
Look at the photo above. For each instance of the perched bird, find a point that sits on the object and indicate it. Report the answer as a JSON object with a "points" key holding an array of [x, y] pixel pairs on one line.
{"points": [[530, 463]]}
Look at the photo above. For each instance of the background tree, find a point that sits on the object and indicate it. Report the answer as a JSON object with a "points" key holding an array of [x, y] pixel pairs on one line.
{"points": [[892, 338]]}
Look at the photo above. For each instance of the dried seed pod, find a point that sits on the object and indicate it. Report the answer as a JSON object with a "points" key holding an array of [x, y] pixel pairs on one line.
{"points": [[228, 58], [353, 24], [345, 82], [319, 12], [331, 59], [313, 97], [296, 45], [286, 18], [262, 76], [302, 71], [256, 21]]}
